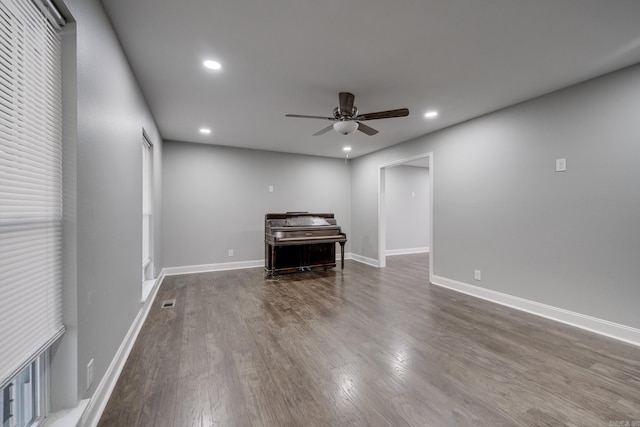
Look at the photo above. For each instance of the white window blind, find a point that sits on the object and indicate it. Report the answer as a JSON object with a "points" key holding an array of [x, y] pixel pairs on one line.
{"points": [[30, 185]]}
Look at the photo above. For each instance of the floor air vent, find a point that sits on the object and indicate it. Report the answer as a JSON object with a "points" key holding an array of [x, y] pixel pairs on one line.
{"points": [[168, 303]]}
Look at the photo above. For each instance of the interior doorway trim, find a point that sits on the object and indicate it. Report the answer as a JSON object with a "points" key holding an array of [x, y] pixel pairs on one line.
{"points": [[382, 216]]}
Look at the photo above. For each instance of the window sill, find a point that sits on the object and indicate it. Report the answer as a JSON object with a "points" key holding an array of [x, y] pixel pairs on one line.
{"points": [[66, 418]]}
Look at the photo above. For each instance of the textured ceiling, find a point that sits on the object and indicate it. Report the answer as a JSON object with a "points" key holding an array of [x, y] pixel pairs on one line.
{"points": [[462, 58]]}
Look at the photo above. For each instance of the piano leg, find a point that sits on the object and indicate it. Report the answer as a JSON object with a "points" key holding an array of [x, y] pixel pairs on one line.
{"points": [[273, 260], [342, 255]]}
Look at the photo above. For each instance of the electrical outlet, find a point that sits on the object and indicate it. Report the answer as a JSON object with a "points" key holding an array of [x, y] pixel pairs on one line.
{"points": [[271, 189], [561, 165], [89, 374], [230, 252], [477, 274]]}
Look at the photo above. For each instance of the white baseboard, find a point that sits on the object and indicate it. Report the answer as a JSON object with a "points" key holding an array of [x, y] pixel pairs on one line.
{"points": [[364, 260], [98, 402], [172, 271], [599, 326], [392, 252]]}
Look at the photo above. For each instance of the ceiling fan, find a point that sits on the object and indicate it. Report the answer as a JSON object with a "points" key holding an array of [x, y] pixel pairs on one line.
{"points": [[347, 120]]}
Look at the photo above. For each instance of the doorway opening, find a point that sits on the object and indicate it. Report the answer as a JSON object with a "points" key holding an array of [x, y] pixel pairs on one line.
{"points": [[422, 160]]}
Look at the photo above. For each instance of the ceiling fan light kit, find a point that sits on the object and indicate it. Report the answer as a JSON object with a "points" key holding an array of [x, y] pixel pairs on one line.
{"points": [[345, 127], [347, 120]]}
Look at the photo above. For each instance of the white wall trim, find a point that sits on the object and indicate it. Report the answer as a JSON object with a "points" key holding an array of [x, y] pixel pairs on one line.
{"points": [[382, 217], [98, 402], [203, 268], [364, 260], [599, 326], [392, 252]]}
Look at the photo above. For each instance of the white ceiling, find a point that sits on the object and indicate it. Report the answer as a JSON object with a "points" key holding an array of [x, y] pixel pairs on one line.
{"points": [[464, 58]]}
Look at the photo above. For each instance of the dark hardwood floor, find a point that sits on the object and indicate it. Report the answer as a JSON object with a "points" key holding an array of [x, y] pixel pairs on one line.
{"points": [[363, 347]]}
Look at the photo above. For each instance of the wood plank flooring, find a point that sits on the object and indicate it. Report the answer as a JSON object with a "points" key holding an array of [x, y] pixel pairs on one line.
{"points": [[363, 347]]}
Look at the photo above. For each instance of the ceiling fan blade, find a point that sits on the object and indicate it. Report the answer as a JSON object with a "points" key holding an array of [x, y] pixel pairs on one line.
{"points": [[401, 112], [323, 131], [301, 116], [346, 103], [366, 129]]}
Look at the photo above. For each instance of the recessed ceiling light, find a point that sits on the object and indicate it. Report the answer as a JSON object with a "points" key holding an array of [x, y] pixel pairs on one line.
{"points": [[205, 131], [346, 149], [431, 114], [212, 65]]}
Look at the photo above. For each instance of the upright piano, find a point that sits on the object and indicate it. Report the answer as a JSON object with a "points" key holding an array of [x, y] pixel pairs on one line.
{"points": [[301, 241]]}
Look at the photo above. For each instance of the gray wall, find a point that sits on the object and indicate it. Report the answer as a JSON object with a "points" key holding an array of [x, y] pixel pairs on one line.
{"points": [[215, 198], [569, 239], [407, 207], [105, 195], [566, 239]]}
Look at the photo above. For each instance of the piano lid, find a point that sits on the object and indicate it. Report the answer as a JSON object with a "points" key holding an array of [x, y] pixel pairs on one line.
{"points": [[299, 219], [302, 227]]}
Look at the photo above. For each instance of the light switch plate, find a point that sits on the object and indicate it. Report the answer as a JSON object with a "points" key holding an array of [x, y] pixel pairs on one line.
{"points": [[561, 165]]}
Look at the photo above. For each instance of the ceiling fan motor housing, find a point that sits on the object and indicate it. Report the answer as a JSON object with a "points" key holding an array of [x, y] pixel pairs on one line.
{"points": [[340, 115]]}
